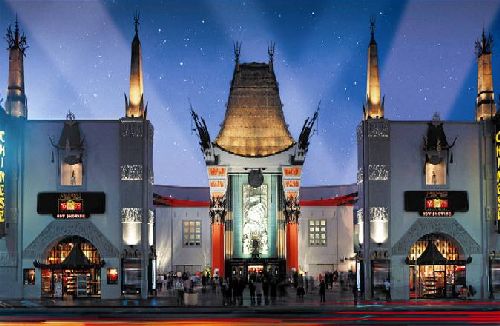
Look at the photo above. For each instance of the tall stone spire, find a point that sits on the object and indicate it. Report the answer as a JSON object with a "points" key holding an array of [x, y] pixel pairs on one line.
{"points": [[374, 108], [16, 104], [135, 106], [485, 102]]}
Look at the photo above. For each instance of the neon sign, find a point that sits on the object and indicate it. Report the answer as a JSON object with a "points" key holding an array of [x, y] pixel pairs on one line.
{"points": [[497, 151], [2, 181]]}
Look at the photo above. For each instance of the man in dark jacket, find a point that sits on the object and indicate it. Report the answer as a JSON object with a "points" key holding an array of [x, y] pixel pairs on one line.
{"points": [[322, 290]]}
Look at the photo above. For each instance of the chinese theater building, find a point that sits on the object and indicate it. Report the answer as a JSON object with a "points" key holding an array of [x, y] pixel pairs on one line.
{"points": [[254, 168], [325, 229], [427, 217], [76, 216]]}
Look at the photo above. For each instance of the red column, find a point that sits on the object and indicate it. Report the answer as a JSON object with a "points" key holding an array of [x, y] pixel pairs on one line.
{"points": [[292, 246], [218, 248]]}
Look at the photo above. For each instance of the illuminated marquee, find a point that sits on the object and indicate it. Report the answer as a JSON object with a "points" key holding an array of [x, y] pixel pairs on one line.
{"points": [[436, 203], [71, 205], [2, 182], [497, 151]]}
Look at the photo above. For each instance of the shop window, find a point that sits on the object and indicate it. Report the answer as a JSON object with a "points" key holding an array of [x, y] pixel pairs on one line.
{"points": [[191, 233], [435, 174], [29, 276], [317, 233], [112, 275], [71, 174]]}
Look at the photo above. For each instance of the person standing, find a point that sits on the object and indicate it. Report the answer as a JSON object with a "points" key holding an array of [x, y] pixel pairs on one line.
{"points": [[251, 287], [322, 290], [387, 285], [179, 287], [258, 291]]}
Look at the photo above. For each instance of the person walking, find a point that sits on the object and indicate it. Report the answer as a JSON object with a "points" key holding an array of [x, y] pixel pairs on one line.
{"points": [[322, 290], [355, 294]]}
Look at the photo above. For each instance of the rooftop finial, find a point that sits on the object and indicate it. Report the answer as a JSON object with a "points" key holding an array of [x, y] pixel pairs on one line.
{"points": [[136, 22], [372, 28], [15, 39], [237, 51], [484, 45], [270, 51]]}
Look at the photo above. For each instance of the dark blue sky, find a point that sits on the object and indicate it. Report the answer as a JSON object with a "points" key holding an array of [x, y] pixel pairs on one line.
{"points": [[79, 60]]}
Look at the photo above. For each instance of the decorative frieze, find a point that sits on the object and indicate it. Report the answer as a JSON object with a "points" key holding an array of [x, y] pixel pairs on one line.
{"points": [[59, 228], [359, 133], [446, 226], [378, 129], [379, 214], [360, 215], [131, 172], [217, 210], [7, 260], [292, 210], [360, 176], [131, 215], [151, 216], [378, 172], [132, 129]]}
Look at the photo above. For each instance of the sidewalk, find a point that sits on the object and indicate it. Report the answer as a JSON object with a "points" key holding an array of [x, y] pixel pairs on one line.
{"points": [[335, 299]]}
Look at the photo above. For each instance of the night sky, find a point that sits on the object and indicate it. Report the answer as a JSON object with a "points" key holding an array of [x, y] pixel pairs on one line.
{"points": [[79, 60]]}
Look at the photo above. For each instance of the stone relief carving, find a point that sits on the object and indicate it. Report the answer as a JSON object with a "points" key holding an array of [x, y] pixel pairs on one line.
{"points": [[59, 229], [448, 226], [359, 133], [379, 214], [132, 129], [359, 176], [131, 172], [131, 215], [378, 172], [7, 260], [378, 129]]}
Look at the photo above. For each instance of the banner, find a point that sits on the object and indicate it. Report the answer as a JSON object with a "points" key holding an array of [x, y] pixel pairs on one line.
{"points": [[217, 180], [291, 180]]}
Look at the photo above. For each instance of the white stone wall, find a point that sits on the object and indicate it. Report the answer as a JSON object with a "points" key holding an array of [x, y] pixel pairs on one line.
{"points": [[171, 252], [169, 247], [315, 260]]}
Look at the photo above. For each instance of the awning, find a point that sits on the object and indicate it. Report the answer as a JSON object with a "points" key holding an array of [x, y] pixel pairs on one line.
{"points": [[75, 260], [432, 256]]}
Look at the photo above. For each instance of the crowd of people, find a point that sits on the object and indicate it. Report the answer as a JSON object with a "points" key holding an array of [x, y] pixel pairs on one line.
{"points": [[263, 288]]}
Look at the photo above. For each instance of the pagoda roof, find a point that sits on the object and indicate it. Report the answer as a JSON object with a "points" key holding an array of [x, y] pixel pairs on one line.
{"points": [[254, 124]]}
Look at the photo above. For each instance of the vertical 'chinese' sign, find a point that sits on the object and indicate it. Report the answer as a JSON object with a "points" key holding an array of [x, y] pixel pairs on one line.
{"points": [[2, 182], [497, 151]]}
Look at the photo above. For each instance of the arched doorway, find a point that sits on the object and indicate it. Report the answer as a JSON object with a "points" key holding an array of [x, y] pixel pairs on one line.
{"points": [[72, 268], [437, 267]]}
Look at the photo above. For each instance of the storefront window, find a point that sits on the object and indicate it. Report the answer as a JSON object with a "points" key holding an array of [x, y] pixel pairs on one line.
{"points": [[29, 276], [435, 174], [112, 276], [71, 174]]}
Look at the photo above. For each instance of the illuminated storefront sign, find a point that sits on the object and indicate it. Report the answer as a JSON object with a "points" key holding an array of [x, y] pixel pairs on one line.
{"points": [[436, 203], [2, 182], [73, 205], [497, 151]]}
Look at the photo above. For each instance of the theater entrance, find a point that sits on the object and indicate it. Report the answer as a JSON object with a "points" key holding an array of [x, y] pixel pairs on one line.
{"points": [[437, 267], [72, 269]]}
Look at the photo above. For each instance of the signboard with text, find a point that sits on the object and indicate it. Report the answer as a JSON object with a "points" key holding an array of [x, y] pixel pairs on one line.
{"points": [[71, 205], [436, 203], [497, 163]]}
